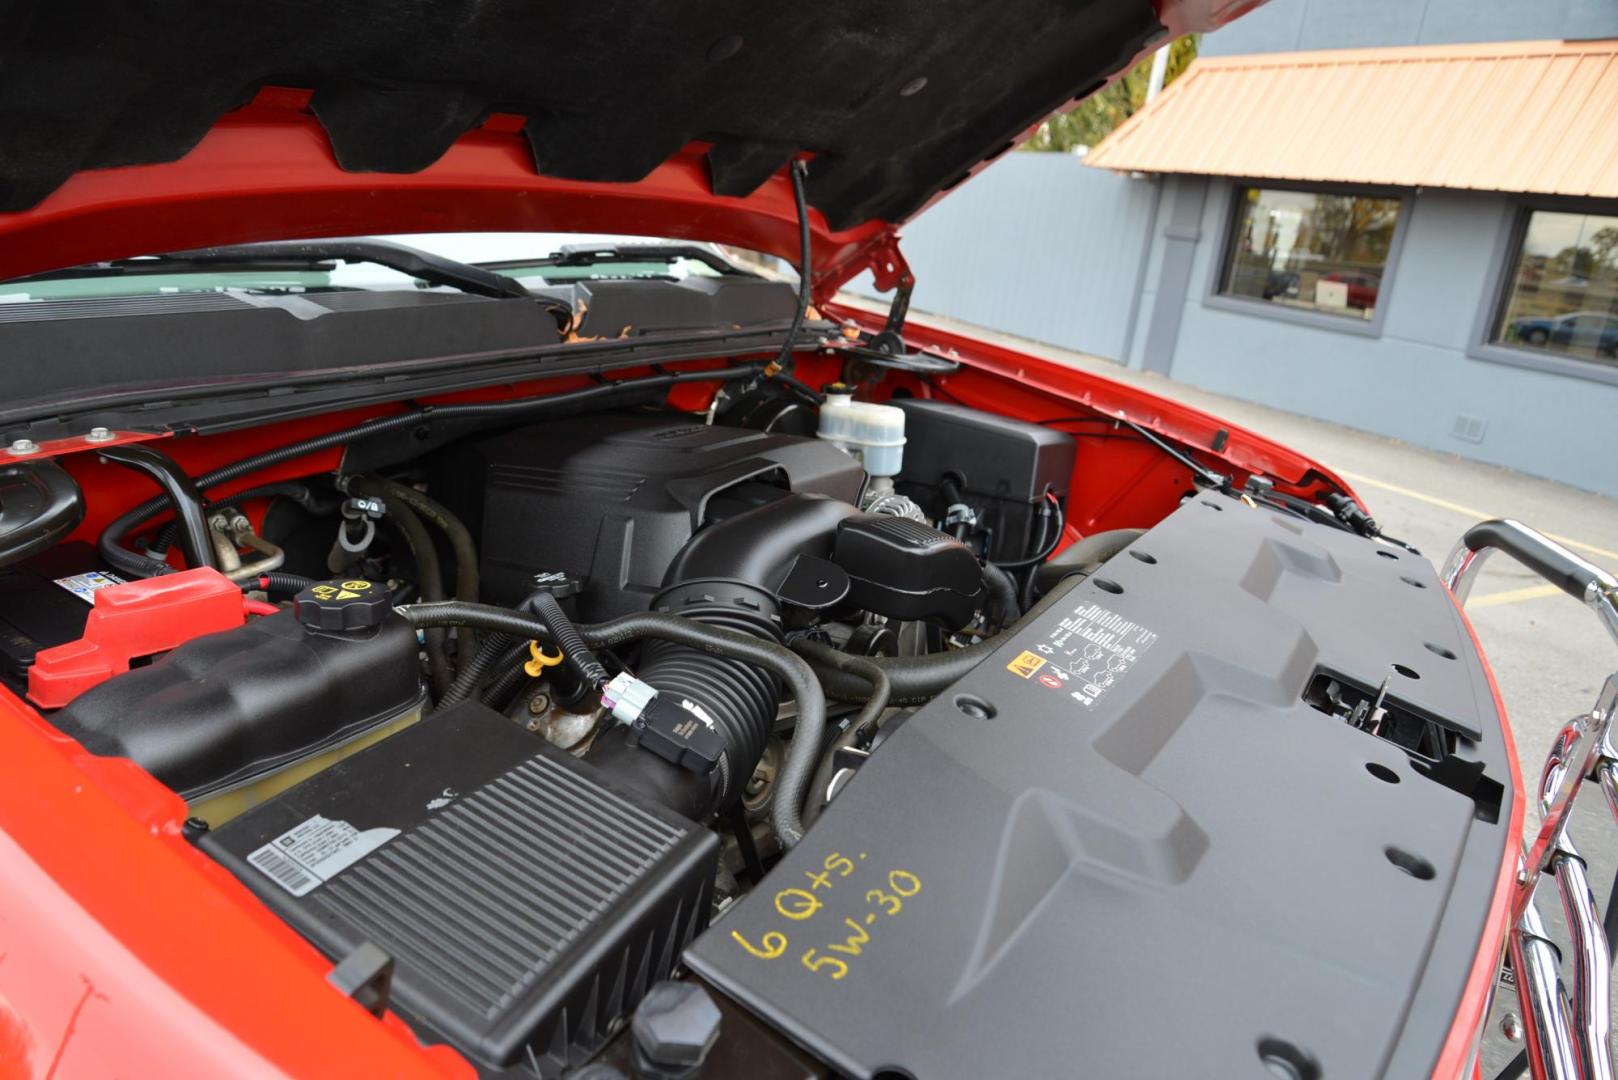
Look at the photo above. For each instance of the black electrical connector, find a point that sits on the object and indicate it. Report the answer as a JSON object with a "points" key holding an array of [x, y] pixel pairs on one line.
{"points": [[678, 736]]}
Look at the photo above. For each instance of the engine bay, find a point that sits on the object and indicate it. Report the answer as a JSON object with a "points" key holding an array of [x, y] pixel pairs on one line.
{"points": [[769, 724]]}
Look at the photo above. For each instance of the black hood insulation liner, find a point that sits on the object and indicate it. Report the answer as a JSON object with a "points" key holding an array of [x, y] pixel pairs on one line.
{"points": [[898, 101]]}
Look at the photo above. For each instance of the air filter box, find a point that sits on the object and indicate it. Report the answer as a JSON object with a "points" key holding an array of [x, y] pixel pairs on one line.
{"points": [[527, 902]]}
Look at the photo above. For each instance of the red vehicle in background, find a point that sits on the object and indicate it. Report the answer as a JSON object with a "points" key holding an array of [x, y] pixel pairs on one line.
{"points": [[607, 661], [1361, 287]]}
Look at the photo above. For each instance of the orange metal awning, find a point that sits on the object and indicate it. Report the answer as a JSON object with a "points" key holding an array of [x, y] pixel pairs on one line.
{"points": [[1528, 116]]}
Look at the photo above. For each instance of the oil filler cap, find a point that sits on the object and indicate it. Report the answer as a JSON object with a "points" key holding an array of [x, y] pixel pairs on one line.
{"points": [[349, 604]]}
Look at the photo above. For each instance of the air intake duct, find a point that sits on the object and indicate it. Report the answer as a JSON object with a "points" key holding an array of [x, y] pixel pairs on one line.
{"points": [[800, 551], [732, 575]]}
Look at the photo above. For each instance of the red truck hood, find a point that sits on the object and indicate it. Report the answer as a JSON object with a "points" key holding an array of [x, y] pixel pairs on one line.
{"points": [[128, 129]]}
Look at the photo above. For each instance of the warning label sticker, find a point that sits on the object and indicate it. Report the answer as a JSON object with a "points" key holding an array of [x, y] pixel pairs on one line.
{"points": [[1087, 653], [1025, 664], [84, 586], [346, 590], [312, 853]]}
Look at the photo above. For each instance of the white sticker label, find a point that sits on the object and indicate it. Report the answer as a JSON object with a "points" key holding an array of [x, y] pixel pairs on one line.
{"points": [[314, 852], [1089, 652], [84, 586]]}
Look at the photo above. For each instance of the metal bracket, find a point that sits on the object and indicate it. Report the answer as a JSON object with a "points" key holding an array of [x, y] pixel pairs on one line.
{"points": [[891, 271]]}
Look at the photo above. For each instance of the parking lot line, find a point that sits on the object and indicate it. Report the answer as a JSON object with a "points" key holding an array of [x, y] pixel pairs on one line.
{"points": [[1513, 596], [1465, 511]]}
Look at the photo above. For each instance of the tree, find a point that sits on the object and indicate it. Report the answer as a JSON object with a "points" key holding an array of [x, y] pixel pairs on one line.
{"points": [[1097, 115], [1604, 244]]}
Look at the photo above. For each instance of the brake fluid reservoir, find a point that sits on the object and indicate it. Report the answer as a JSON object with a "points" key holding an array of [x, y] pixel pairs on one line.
{"points": [[875, 434]]}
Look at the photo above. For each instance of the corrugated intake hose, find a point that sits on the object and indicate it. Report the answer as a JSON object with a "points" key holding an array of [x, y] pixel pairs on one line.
{"points": [[740, 699], [918, 679], [718, 642]]}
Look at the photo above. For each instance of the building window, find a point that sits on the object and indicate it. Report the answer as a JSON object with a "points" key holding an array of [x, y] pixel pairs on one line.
{"points": [[1310, 250], [1561, 288]]}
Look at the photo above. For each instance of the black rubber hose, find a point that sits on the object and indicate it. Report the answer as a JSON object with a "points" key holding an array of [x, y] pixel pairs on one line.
{"points": [[473, 671], [917, 679], [429, 579], [436, 513], [881, 687], [1003, 594], [137, 516], [575, 653], [1048, 539], [861, 730], [180, 493], [793, 780], [1084, 555]]}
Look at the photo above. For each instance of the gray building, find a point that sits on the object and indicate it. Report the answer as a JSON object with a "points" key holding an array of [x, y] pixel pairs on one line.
{"points": [[1399, 215]]}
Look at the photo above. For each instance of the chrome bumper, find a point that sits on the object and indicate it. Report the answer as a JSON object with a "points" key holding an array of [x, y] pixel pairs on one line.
{"points": [[1567, 1030]]}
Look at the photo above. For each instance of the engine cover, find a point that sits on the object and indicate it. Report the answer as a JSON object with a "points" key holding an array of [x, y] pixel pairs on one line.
{"points": [[613, 498], [1129, 844]]}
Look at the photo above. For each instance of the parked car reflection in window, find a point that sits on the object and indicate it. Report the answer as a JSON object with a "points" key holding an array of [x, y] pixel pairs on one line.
{"points": [[1562, 292], [1313, 250]]}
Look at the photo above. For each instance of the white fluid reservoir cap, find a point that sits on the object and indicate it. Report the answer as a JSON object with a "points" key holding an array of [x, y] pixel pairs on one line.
{"points": [[873, 433]]}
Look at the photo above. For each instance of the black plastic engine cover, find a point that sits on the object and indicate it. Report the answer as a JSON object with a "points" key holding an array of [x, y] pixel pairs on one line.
{"points": [[528, 901], [906, 570], [613, 498], [1125, 845]]}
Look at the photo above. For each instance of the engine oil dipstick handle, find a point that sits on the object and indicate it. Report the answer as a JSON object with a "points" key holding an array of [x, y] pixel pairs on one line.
{"points": [[539, 660]]}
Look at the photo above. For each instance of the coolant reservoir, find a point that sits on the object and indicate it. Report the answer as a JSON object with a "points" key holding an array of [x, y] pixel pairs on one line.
{"points": [[875, 434], [229, 718]]}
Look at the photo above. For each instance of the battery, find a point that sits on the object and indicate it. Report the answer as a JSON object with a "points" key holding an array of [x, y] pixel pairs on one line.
{"points": [[527, 902], [44, 602]]}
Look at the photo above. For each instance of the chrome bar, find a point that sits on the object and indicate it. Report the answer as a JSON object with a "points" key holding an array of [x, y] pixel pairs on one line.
{"points": [[1592, 963], [1565, 1040], [1548, 1032], [1576, 576], [1574, 753], [1607, 775]]}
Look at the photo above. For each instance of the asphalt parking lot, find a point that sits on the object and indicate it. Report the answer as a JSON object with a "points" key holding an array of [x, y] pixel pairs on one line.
{"points": [[1548, 652]]}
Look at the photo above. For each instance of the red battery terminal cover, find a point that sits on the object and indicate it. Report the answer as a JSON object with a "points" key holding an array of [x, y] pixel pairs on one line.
{"points": [[132, 620]]}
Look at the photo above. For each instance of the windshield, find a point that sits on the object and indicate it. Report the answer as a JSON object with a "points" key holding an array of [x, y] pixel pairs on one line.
{"points": [[534, 259]]}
